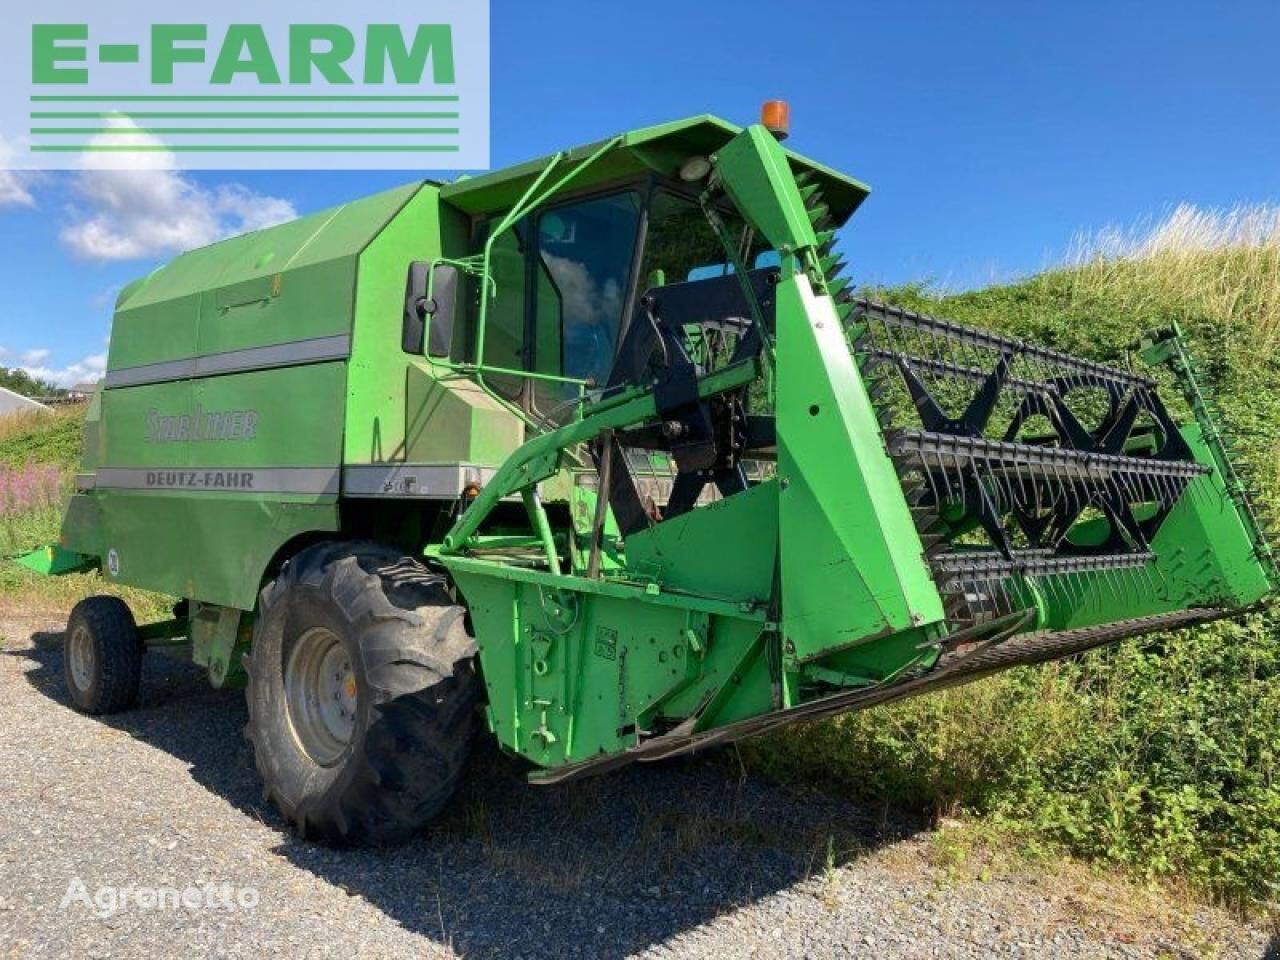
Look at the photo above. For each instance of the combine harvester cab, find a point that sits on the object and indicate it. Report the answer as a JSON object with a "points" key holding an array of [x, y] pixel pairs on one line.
{"points": [[606, 446]]}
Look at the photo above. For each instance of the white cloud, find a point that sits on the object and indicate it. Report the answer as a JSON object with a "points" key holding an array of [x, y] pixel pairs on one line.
{"points": [[251, 211], [106, 297], [87, 368], [13, 190], [14, 185], [33, 358], [131, 213], [584, 299]]}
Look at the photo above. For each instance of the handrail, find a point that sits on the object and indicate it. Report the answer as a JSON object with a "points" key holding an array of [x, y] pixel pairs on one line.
{"points": [[529, 200], [480, 266], [538, 457]]}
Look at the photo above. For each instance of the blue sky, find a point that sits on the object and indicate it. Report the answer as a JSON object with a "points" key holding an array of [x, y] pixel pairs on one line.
{"points": [[990, 133]]}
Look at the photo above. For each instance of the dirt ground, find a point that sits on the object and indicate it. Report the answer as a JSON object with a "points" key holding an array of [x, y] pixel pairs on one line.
{"points": [[145, 834]]}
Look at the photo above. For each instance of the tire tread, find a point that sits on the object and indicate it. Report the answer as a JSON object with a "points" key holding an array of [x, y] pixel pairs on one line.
{"points": [[421, 673], [118, 651]]}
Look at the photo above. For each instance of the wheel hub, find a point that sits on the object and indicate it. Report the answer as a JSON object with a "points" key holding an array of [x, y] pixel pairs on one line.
{"points": [[321, 694], [82, 656]]}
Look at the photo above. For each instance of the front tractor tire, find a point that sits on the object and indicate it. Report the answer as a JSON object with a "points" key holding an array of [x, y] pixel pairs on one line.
{"points": [[362, 694], [102, 656]]}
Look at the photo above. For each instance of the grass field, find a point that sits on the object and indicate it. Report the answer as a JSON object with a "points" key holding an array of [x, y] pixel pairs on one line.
{"points": [[1160, 756]]}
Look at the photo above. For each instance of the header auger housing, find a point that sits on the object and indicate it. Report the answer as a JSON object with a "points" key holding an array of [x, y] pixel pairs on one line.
{"points": [[604, 443]]}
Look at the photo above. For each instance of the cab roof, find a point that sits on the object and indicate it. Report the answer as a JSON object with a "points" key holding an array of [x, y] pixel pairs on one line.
{"points": [[662, 149]]}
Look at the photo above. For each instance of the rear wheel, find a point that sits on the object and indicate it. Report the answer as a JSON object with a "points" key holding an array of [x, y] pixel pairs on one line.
{"points": [[362, 693], [102, 656]]}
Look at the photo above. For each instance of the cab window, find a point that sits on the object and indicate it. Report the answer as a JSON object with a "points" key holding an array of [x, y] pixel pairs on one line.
{"points": [[681, 243], [582, 274]]}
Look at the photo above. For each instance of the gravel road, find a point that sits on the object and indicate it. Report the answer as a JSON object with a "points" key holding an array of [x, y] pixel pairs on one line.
{"points": [[682, 860]]}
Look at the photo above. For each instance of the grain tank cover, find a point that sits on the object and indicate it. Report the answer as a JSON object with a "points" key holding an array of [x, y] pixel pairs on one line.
{"points": [[289, 284]]}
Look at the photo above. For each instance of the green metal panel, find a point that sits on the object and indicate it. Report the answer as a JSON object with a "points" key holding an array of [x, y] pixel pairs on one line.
{"points": [[178, 514], [574, 668], [397, 408], [754, 170], [145, 536], [155, 319], [1207, 529], [91, 447], [456, 421], [220, 636], [662, 148], [852, 562], [82, 525], [300, 412], [375, 425], [174, 509], [298, 417], [150, 537], [728, 549], [1205, 557], [53, 561], [288, 282]]}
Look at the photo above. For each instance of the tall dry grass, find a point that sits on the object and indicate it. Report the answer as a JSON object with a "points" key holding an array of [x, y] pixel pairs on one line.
{"points": [[22, 422], [1220, 266]]}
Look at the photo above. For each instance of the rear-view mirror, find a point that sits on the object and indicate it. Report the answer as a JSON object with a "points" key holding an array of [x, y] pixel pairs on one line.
{"points": [[430, 305]]}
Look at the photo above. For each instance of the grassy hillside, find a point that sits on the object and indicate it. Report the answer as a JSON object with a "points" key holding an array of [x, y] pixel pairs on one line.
{"points": [[38, 456], [51, 439], [38, 452], [1161, 755]]}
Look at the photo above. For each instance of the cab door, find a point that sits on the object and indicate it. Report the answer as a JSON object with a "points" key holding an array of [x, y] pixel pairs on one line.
{"points": [[584, 258]]}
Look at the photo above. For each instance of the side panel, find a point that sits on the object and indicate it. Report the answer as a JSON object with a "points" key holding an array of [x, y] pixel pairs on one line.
{"points": [[145, 539], [292, 460], [376, 385], [391, 397], [853, 565], [288, 283], [413, 431], [455, 420], [155, 320], [852, 562], [199, 512], [1205, 558], [222, 417], [727, 549], [576, 673], [82, 525]]}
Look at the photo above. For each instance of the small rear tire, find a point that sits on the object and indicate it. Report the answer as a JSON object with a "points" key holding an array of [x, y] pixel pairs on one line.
{"points": [[102, 656], [362, 693]]}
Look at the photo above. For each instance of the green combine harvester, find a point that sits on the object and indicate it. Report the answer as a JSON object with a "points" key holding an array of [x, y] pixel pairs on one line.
{"points": [[602, 448]]}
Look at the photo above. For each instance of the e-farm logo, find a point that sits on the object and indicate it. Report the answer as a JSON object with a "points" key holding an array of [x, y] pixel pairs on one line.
{"points": [[105, 87]]}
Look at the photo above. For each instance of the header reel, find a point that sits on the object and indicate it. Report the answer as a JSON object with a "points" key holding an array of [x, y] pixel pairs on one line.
{"points": [[1026, 469]]}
